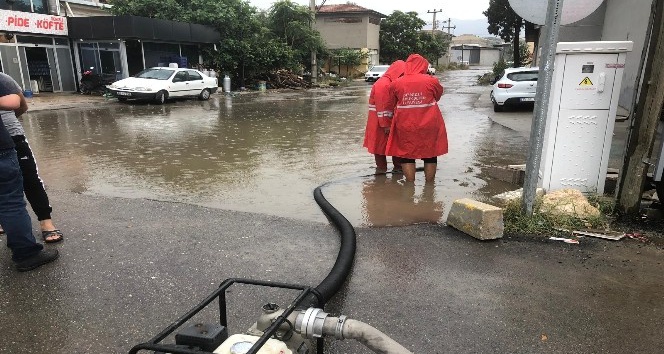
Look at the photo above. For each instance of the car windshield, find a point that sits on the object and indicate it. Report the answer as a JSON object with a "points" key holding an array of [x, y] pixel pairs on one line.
{"points": [[157, 74], [379, 69]]}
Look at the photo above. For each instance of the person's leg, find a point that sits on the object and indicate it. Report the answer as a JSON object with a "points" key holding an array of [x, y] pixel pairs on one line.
{"points": [[396, 163], [408, 167], [430, 166], [33, 186], [14, 218], [381, 163]]}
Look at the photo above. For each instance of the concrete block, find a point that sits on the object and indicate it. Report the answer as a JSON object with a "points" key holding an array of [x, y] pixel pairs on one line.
{"points": [[507, 174], [480, 220]]}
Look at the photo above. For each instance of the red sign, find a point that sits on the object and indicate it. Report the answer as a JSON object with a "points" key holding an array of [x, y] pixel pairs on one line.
{"points": [[615, 66], [14, 21]]}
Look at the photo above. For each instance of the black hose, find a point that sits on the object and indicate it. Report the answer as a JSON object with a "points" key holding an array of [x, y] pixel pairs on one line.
{"points": [[344, 263]]}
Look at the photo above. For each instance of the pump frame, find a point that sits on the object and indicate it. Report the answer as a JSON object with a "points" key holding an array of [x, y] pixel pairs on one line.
{"points": [[220, 293]]}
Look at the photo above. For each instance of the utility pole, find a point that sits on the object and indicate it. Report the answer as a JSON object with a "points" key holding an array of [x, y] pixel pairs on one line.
{"points": [[449, 26], [644, 126], [531, 179], [433, 24], [314, 64]]}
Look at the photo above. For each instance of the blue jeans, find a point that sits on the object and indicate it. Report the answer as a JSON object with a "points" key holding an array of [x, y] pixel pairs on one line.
{"points": [[14, 218]]}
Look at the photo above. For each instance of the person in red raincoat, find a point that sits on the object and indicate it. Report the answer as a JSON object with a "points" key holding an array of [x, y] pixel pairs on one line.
{"points": [[381, 110], [418, 129]]}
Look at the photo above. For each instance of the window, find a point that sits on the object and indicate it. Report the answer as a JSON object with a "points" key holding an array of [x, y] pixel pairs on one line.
{"points": [[523, 76], [157, 74], [193, 76], [180, 76]]}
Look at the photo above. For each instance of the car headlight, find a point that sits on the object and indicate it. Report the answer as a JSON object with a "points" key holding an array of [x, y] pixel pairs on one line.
{"points": [[142, 89], [113, 86]]}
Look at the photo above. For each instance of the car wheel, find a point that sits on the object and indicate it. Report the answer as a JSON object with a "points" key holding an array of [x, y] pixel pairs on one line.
{"points": [[160, 97], [122, 99], [497, 107], [204, 95]]}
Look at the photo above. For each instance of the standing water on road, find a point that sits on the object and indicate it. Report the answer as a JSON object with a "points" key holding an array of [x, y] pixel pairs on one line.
{"points": [[266, 152]]}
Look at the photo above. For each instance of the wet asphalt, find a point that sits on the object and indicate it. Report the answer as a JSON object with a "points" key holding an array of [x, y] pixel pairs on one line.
{"points": [[131, 265]]}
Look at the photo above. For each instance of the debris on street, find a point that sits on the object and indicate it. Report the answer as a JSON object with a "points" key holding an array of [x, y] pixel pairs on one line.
{"points": [[566, 240]]}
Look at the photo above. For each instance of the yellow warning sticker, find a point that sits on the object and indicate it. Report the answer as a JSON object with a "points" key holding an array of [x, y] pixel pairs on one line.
{"points": [[586, 82]]}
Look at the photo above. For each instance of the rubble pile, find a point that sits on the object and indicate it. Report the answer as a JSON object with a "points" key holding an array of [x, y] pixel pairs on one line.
{"points": [[284, 79]]}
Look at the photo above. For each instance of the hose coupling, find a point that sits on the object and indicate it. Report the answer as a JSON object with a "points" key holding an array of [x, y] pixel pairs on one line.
{"points": [[338, 329], [310, 323]]}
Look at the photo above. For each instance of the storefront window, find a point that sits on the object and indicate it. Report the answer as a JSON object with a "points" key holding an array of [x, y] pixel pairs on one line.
{"points": [[34, 40], [40, 6]]}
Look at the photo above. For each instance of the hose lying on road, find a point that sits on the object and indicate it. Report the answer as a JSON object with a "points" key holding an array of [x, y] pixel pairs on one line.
{"points": [[344, 263]]}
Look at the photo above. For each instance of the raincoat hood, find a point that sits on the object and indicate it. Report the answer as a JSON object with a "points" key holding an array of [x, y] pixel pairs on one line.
{"points": [[395, 70], [416, 64]]}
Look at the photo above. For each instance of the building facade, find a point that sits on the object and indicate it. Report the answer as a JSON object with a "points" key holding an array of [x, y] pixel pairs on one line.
{"points": [[616, 20], [45, 45], [351, 26]]}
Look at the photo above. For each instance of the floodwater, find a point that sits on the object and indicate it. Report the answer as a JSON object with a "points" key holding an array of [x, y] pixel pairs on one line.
{"points": [[266, 152]]}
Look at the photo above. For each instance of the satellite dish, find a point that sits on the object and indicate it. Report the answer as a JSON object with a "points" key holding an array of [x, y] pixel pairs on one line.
{"points": [[534, 11]]}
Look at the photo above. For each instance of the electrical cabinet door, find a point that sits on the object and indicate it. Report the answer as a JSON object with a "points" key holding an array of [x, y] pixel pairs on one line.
{"points": [[588, 81], [578, 150]]}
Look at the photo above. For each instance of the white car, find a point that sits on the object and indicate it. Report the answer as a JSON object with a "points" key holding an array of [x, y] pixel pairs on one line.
{"points": [[431, 70], [161, 83], [375, 73], [517, 86]]}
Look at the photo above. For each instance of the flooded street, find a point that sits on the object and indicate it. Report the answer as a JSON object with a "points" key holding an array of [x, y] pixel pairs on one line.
{"points": [[266, 152]]}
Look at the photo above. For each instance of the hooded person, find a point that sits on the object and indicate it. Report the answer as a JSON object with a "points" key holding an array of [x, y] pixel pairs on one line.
{"points": [[418, 129], [381, 110]]}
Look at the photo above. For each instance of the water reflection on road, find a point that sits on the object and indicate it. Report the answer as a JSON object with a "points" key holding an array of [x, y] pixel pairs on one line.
{"points": [[265, 153]]}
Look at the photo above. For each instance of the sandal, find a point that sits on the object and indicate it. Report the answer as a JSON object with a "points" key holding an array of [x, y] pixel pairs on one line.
{"points": [[52, 236]]}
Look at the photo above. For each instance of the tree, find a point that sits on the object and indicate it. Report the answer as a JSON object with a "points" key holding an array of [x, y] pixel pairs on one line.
{"points": [[400, 36], [291, 23], [348, 57], [434, 46], [525, 56], [249, 47], [506, 24]]}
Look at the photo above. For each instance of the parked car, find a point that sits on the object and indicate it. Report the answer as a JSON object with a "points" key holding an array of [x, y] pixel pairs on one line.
{"points": [[160, 84], [375, 73], [516, 86]]}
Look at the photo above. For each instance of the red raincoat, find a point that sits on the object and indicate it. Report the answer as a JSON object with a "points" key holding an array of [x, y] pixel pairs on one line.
{"points": [[418, 129], [381, 109]]}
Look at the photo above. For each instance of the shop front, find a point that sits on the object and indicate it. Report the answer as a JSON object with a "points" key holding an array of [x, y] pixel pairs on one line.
{"points": [[116, 47], [35, 51]]}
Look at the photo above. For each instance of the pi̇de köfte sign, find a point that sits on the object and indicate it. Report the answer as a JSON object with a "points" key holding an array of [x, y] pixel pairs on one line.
{"points": [[13, 21]]}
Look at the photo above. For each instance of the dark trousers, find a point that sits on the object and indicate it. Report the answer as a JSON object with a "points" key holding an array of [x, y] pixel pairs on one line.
{"points": [[14, 218], [32, 183]]}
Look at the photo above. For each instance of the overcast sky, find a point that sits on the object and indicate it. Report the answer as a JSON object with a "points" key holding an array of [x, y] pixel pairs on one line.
{"points": [[455, 9]]}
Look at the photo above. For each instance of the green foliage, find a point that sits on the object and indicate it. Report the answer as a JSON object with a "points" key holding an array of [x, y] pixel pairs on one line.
{"points": [[400, 36], [516, 222], [525, 56], [348, 57], [252, 43], [457, 66], [291, 23], [432, 47], [499, 68]]}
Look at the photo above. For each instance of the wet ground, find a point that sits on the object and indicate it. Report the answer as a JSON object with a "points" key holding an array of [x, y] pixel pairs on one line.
{"points": [[265, 153], [132, 263]]}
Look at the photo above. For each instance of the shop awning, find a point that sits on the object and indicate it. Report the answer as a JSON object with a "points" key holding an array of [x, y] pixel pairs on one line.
{"points": [[135, 27]]}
